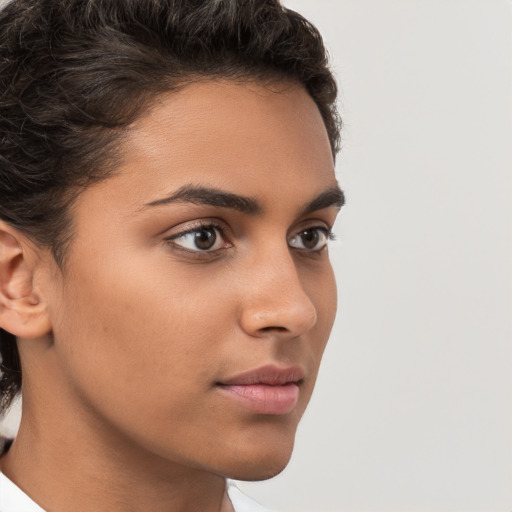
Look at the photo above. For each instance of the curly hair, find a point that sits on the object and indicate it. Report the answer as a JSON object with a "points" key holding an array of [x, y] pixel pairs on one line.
{"points": [[74, 73]]}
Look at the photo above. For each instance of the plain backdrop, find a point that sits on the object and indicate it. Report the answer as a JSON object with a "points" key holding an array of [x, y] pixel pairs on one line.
{"points": [[413, 407]]}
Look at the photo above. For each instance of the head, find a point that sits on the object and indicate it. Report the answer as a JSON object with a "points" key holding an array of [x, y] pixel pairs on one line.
{"points": [[167, 186]]}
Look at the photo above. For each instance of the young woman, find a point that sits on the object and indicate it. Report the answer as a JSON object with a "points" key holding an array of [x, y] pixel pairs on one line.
{"points": [[167, 192]]}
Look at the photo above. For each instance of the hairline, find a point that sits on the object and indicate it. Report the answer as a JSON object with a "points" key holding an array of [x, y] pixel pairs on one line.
{"points": [[110, 154]]}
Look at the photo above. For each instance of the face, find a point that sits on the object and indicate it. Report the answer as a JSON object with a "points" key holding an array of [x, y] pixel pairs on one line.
{"points": [[198, 295]]}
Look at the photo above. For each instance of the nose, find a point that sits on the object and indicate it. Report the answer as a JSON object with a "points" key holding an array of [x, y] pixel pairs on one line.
{"points": [[275, 302]]}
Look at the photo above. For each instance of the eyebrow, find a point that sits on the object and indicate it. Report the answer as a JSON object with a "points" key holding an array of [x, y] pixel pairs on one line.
{"points": [[333, 196], [197, 194], [211, 196]]}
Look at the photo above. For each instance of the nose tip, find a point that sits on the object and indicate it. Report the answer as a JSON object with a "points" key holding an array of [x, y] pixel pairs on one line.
{"points": [[282, 307]]}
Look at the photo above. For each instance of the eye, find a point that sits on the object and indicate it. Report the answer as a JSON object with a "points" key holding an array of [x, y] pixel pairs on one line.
{"points": [[311, 239], [200, 239]]}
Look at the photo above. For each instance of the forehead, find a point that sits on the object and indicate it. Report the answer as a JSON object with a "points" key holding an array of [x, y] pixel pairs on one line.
{"points": [[246, 138], [244, 128]]}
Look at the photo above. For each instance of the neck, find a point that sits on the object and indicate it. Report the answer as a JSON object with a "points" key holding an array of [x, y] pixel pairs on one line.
{"points": [[62, 462]]}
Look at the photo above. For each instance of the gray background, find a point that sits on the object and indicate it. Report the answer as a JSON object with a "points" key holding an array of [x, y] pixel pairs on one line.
{"points": [[413, 408]]}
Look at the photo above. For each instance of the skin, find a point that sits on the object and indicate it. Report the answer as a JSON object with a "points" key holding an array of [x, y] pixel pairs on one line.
{"points": [[123, 349]]}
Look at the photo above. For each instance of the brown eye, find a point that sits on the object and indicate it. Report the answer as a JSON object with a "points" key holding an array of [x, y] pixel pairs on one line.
{"points": [[200, 239], [311, 239], [205, 238]]}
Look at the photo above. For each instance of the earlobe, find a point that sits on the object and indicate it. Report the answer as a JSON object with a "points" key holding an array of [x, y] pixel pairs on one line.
{"points": [[22, 312]]}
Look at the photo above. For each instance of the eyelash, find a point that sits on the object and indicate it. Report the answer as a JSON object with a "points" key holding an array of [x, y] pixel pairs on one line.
{"points": [[212, 227], [197, 229]]}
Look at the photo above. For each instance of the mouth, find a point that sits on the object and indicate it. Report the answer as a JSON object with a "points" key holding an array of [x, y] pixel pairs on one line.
{"points": [[266, 390]]}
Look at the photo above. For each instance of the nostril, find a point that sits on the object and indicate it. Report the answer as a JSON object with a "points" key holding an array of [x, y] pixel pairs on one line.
{"points": [[272, 328]]}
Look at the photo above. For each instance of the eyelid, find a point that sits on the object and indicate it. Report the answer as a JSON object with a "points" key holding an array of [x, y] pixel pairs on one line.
{"points": [[195, 226], [324, 229], [318, 223], [225, 235]]}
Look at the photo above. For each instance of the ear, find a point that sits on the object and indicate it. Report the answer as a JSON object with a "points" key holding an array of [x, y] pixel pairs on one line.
{"points": [[22, 312]]}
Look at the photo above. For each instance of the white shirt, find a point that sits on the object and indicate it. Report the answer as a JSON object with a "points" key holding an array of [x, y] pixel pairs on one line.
{"points": [[13, 499]]}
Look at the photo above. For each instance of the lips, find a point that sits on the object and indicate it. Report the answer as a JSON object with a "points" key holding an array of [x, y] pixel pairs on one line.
{"points": [[267, 390]]}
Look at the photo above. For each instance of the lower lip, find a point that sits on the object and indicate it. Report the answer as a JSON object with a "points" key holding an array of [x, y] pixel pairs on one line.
{"points": [[264, 399]]}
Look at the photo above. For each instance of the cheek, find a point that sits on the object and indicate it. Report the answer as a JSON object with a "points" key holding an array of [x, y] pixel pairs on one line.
{"points": [[323, 292], [128, 335]]}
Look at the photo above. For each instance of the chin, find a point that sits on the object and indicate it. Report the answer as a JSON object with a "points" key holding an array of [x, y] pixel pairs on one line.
{"points": [[252, 472], [260, 461], [262, 474]]}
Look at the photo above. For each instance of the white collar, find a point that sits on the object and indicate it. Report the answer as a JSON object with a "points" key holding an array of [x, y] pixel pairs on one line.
{"points": [[241, 502], [13, 499]]}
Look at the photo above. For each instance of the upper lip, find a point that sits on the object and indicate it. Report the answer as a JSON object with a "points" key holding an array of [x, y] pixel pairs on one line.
{"points": [[270, 375]]}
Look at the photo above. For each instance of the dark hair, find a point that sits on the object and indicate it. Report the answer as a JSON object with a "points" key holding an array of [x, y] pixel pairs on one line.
{"points": [[74, 73]]}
